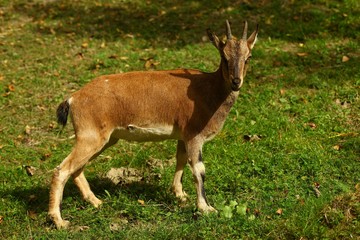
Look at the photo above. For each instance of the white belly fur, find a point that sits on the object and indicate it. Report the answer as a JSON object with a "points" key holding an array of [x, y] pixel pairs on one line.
{"points": [[143, 134]]}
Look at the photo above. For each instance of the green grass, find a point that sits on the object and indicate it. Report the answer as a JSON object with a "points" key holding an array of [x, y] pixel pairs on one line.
{"points": [[301, 97]]}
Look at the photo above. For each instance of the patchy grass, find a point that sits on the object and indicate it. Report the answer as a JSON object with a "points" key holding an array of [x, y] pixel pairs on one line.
{"points": [[286, 164]]}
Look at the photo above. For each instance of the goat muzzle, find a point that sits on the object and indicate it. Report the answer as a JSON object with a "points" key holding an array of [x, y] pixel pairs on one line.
{"points": [[236, 84]]}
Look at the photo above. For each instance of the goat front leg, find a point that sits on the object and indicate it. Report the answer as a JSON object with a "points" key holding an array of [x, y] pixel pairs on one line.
{"points": [[84, 150], [194, 150], [181, 160]]}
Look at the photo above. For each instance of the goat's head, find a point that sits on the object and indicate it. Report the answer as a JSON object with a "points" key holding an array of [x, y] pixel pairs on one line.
{"points": [[235, 55]]}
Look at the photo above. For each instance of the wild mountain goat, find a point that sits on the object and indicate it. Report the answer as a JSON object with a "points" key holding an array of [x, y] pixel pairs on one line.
{"points": [[187, 105]]}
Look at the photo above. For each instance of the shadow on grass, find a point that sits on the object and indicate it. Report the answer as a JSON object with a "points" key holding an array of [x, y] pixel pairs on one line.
{"points": [[177, 23], [35, 200]]}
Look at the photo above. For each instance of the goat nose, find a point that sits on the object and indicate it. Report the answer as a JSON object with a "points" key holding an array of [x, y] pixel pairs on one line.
{"points": [[236, 81]]}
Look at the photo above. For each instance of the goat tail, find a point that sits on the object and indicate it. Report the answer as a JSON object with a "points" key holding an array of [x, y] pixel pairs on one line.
{"points": [[62, 112]]}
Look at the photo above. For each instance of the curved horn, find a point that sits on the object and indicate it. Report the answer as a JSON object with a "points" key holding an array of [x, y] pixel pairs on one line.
{"points": [[228, 30], [244, 36]]}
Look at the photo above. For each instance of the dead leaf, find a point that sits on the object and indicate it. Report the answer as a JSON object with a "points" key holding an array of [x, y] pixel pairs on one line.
{"points": [[316, 187], [337, 147], [1, 219], [311, 125], [82, 228], [252, 138], [32, 214], [150, 63], [27, 129], [32, 197], [113, 56], [46, 155], [142, 202], [85, 45], [30, 170], [302, 54], [115, 227], [345, 58], [11, 88], [282, 91], [279, 211], [80, 55], [343, 104]]}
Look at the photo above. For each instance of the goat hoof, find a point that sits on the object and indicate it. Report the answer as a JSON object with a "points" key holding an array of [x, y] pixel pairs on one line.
{"points": [[63, 224], [208, 209], [95, 202]]}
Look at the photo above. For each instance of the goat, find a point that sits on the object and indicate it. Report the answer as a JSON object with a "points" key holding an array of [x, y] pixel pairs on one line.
{"points": [[189, 106]]}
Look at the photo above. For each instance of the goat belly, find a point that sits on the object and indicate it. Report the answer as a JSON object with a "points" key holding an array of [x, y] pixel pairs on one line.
{"points": [[145, 134]]}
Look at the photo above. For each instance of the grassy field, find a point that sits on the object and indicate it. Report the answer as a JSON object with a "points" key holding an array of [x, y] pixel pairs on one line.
{"points": [[285, 166]]}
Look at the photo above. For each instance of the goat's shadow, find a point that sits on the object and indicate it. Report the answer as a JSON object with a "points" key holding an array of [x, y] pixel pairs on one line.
{"points": [[36, 199]]}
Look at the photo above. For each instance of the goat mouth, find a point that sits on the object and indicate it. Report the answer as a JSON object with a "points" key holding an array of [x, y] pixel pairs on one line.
{"points": [[235, 87]]}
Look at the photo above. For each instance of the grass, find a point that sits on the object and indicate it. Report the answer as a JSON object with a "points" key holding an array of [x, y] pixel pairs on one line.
{"points": [[298, 178]]}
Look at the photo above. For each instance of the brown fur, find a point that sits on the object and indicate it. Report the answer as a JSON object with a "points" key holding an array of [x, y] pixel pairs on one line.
{"points": [[187, 105]]}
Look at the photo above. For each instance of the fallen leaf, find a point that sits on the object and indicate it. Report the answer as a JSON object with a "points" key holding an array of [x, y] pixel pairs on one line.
{"points": [[1, 219], [32, 214], [302, 54], [337, 147], [85, 45], [345, 58], [80, 55], [282, 91], [27, 129], [82, 228], [279, 211], [252, 138], [11, 88], [41, 107], [32, 197], [45, 156], [142, 202], [29, 170], [150, 63], [115, 227], [311, 125], [257, 212], [113, 56]]}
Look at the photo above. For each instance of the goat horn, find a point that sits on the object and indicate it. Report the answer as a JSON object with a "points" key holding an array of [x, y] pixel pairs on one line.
{"points": [[244, 36], [228, 30]]}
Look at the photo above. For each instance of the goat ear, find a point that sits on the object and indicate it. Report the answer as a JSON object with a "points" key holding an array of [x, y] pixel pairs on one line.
{"points": [[253, 37], [213, 38]]}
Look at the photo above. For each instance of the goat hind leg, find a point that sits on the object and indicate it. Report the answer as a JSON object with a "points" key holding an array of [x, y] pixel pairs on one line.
{"points": [[84, 187], [83, 151]]}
